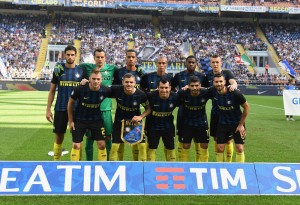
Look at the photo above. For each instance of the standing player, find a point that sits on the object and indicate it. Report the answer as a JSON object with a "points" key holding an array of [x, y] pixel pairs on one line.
{"points": [[231, 120], [159, 122], [107, 71], [179, 81], [129, 98], [131, 67], [87, 114], [65, 78], [194, 120], [216, 65]]}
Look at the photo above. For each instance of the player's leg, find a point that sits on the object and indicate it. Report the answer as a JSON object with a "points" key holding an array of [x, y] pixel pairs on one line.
{"points": [[213, 128], [89, 149], [222, 137], [142, 146], [98, 134], [116, 142], [239, 146], [153, 138], [108, 125], [77, 137], [60, 126], [202, 140], [179, 128], [169, 142], [229, 149], [185, 139]]}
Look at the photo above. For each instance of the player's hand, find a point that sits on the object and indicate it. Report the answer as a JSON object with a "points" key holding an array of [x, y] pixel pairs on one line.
{"points": [[185, 87], [84, 81], [241, 129], [137, 118], [49, 116], [58, 69], [71, 126], [232, 88]]}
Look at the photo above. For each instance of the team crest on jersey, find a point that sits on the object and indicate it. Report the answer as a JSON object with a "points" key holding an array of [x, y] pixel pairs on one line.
{"points": [[171, 105], [138, 78], [101, 97], [134, 103], [229, 102], [203, 100], [72, 92], [77, 75]]}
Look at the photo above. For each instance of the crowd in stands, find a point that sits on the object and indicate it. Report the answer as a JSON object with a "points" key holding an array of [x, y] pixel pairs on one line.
{"points": [[20, 42], [286, 41], [177, 39]]}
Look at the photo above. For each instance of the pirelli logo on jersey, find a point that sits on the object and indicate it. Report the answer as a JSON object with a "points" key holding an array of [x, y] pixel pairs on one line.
{"points": [[194, 107], [128, 109], [69, 83], [90, 105], [225, 108], [161, 114]]}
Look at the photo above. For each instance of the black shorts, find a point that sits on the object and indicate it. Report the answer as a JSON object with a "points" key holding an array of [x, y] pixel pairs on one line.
{"points": [[214, 119], [199, 134], [96, 127], [60, 122], [225, 132], [116, 133], [153, 137]]}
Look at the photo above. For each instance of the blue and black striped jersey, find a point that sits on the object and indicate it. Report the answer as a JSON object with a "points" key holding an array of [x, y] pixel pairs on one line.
{"points": [[193, 108], [150, 81], [161, 116], [68, 79], [228, 106], [89, 101], [118, 75], [128, 105], [209, 81]]}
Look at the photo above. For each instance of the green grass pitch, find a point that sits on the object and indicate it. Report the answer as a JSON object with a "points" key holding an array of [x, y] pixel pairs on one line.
{"points": [[26, 135]]}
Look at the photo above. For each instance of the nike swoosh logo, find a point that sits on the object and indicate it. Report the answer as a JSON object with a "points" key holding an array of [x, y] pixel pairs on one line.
{"points": [[151, 82], [85, 98], [186, 101], [119, 99], [261, 92], [156, 105]]}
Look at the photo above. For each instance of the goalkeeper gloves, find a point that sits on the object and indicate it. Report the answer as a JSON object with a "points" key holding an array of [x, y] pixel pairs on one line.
{"points": [[58, 69]]}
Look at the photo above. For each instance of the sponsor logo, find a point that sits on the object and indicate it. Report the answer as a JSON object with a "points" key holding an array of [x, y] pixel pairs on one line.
{"points": [[164, 179], [261, 92]]}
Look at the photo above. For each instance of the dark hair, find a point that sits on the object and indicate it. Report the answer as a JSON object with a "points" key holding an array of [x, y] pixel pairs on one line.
{"points": [[99, 50], [131, 51], [163, 80], [194, 79], [70, 48], [218, 75], [191, 56], [128, 75]]}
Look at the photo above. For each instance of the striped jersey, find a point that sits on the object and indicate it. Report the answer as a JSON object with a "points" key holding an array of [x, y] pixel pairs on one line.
{"points": [[150, 81], [68, 79], [118, 75]]}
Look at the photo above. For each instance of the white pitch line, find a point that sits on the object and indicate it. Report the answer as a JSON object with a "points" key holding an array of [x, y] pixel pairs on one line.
{"points": [[267, 106]]}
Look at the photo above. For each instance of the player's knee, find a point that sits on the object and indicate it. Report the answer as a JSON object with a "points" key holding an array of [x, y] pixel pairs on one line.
{"points": [[204, 145], [101, 144], [239, 148], [76, 145], [186, 146], [220, 148]]}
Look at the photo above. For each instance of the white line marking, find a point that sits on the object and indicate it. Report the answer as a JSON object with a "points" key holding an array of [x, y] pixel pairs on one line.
{"points": [[267, 106]]}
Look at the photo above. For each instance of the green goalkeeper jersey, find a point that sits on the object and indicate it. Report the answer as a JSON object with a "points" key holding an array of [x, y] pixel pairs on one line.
{"points": [[107, 77]]}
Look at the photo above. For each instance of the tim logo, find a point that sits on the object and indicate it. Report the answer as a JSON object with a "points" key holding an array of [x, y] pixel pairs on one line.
{"points": [[170, 178]]}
